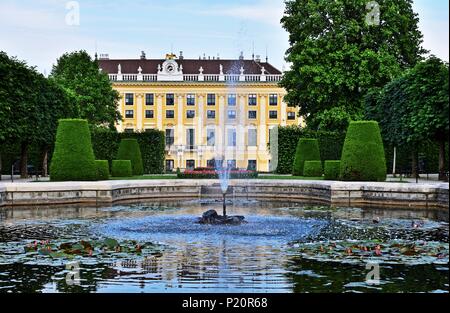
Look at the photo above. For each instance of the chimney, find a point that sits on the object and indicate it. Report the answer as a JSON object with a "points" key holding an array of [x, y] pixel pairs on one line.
{"points": [[258, 59], [241, 57], [181, 58], [143, 56], [104, 56]]}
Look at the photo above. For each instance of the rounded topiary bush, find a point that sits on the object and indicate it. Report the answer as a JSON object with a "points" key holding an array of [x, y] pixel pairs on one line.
{"points": [[307, 150], [129, 150], [363, 153], [73, 158], [102, 169], [332, 170], [121, 168], [313, 169]]}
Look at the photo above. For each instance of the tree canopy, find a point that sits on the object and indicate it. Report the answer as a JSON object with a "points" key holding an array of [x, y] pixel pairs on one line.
{"points": [[91, 90], [414, 108], [337, 56]]}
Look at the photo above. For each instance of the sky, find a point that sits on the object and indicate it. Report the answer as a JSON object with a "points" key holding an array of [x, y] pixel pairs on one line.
{"points": [[40, 31]]}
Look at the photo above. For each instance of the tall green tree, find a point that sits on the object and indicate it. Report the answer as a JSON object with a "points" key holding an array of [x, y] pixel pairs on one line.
{"points": [[30, 106], [91, 89], [18, 105], [338, 51], [414, 108]]}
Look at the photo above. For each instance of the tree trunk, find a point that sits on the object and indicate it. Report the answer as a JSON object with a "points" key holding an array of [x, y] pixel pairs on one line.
{"points": [[414, 164], [45, 163], [442, 175], [24, 160]]}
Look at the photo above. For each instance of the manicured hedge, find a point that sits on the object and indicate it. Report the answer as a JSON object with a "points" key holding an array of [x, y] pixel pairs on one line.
{"points": [[313, 169], [332, 170], [363, 153], [151, 143], [307, 150], [330, 145], [129, 150], [121, 168], [73, 158], [102, 169]]}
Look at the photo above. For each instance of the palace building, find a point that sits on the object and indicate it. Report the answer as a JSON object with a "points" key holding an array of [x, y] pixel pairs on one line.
{"points": [[209, 108]]}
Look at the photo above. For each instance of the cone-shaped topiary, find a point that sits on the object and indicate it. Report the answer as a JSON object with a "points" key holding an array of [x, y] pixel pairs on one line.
{"points": [[73, 158], [121, 168], [307, 150], [332, 170], [129, 150], [363, 153], [102, 169], [313, 169]]}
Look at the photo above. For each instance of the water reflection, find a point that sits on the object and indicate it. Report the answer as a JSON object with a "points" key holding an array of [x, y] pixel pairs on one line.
{"points": [[249, 258]]}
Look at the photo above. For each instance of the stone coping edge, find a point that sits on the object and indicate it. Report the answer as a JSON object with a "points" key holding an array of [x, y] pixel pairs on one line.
{"points": [[334, 193]]}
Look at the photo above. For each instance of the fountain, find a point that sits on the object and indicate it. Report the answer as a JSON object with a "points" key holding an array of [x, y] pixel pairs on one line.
{"points": [[211, 216]]}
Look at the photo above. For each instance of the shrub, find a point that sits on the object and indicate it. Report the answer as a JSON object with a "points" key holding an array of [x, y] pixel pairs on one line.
{"points": [[151, 142], [363, 153], [313, 169], [307, 150], [73, 158], [129, 150], [102, 169], [332, 169], [330, 145], [121, 168]]}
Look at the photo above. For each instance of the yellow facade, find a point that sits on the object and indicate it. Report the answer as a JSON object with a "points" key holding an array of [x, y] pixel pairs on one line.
{"points": [[215, 115]]}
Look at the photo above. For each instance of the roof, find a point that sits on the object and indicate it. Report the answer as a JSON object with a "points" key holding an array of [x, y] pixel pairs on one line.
{"points": [[190, 66]]}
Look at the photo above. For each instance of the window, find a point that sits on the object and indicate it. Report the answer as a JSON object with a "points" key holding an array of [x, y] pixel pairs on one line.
{"points": [[273, 114], [211, 163], [211, 114], [190, 164], [129, 130], [149, 114], [231, 164], [252, 138], [273, 99], [169, 165], [129, 114], [251, 165], [190, 113], [251, 99], [170, 137], [190, 138], [149, 99], [211, 100], [190, 99], [291, 116], [129, 99], [211, 137], [252, 115], [231, 114], [170, 99], [170, 114], [232, 100], [231, 138]]}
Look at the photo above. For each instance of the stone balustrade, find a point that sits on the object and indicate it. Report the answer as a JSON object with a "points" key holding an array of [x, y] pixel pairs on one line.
{"points": [[198, 77]]}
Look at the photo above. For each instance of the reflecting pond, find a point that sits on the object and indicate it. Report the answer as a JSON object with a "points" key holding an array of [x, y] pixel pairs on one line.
{"points": [[285, 247]]}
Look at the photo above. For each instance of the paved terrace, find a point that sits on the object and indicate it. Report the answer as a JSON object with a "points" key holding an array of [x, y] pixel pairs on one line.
{"points": [[388, 194]]}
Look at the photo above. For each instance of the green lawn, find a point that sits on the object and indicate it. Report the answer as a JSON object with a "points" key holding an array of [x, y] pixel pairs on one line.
{"points": [[289, 177], [169, 176]]}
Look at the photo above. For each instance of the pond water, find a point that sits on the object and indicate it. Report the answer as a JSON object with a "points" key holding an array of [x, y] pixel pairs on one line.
{"points": [[284, 247]]}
